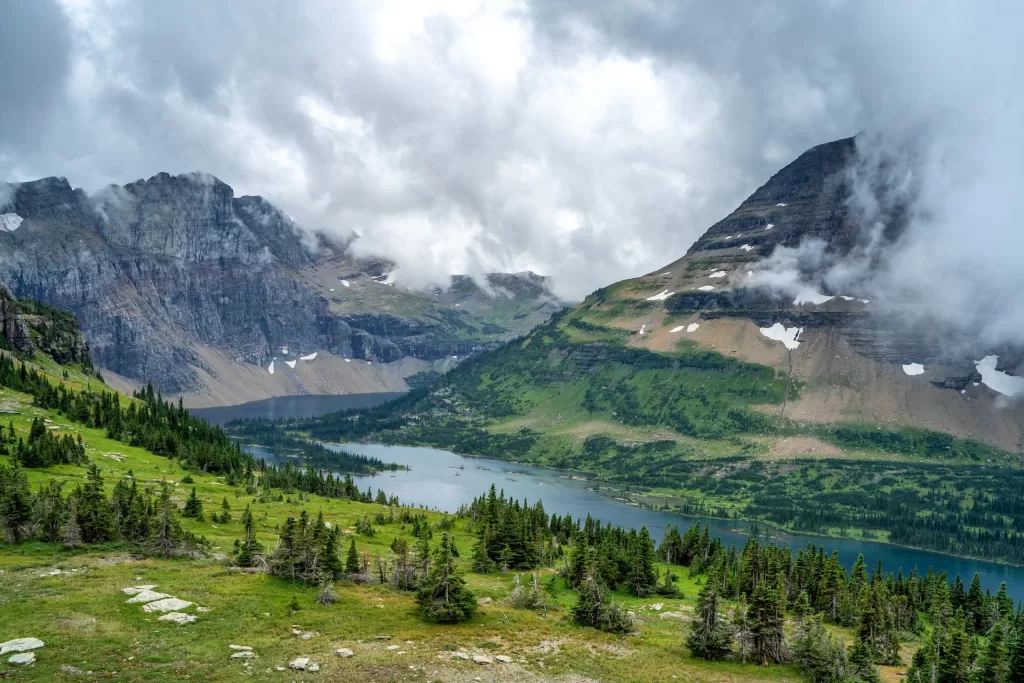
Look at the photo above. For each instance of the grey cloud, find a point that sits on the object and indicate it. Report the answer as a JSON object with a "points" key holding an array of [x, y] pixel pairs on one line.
{"points": [[589, 140]]}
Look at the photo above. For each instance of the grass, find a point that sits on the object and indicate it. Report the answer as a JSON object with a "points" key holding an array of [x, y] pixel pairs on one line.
{"points": [[83, 618]]}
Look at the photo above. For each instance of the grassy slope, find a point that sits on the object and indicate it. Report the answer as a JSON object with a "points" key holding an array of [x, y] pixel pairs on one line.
{"points": [[689, 428], [83, 618]]}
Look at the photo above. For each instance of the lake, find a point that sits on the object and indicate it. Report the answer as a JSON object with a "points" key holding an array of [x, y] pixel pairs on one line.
{"points": [[296, 407], [442, 480]]}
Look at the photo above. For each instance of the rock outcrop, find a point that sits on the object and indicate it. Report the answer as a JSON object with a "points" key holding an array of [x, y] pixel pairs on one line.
{"points": [[177, 281]]}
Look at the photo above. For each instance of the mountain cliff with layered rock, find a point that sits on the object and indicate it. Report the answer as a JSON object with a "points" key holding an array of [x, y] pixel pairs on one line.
{"points": [[223, 299]]}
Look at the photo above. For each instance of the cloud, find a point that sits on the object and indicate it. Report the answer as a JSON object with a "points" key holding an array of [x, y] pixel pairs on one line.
{"points": [[589, 140]]}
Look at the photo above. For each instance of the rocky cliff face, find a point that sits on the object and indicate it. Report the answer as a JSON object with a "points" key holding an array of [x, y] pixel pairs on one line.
{"points": [[164, 272], [27, 326]]}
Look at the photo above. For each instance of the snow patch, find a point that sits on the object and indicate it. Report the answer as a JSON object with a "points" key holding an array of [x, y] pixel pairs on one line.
{"points": [[661, 296], [345, 283], [10, 221], [332, 289], [718, 273], [642, 328], [348, 360], [729, 237], [746, 247], [677, 329], [706, 288], [997, 380], [270, 368], [781, 204], [309, 357], [913, 369], [692, 327], [846, 298], [811, 296], [786, 335], [769, 226], [291, 363]]}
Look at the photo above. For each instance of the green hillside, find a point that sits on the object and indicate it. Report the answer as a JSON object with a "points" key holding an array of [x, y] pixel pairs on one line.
{"points": [[103, 497], [696, 430]]}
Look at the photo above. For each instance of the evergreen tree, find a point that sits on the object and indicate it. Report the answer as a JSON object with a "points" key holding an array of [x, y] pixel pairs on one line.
{"points": [[709, 637], [352, 559], [1004, 602], [767, 615], [994, 663], [166, 532], [642, 579], [594, 607], [974, 606], [819, 656], [193, 507], [444, 597], [1015, 668], [94, 515], [862, 666], [481, 562], [15, 504], [250, 548], [956, 658]]}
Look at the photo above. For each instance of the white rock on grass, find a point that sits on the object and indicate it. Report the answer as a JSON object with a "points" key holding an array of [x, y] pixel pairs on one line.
{"points": [[482, 659], [167, 605], [146, 596], [314, 667], [245, 654], [392, 647], [504, 659], [460, 655], [20, 645], [239, 647], [343, 652], [299, 663], [23, 658], [135, 590], [179, 618]]}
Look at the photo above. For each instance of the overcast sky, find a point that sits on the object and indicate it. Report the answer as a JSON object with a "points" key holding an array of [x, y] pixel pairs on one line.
{"points": [[588, 140]]}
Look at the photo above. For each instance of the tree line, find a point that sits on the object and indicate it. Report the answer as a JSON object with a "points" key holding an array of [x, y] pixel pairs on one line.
{"points": [[145, 517]]}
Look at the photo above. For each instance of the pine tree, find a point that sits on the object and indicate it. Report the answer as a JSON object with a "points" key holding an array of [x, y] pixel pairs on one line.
{"points": [[767, 615], [642, 579], [94, 516], [1004, 602], [994, 663], [352, 559], [72, 533], [709, 637], [819, 656], [444, 597], [481, 562], [594, 607], [250, 549], [861, 664], [955, 661], [165, 532], [974, 606], [193, 507], [1015, 670]]}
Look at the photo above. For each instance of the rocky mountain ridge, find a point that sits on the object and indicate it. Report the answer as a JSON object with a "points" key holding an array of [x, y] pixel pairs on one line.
{"points": [[177, 281], [860, 358]]}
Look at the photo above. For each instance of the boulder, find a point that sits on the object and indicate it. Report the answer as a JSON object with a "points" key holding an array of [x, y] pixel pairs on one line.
{"points": [[167, 605], [504, 659], [23, 658], [314, 667], [239, 647], [343, 652], [179, 618], [484, 601], [460, 655], [135, 590], [299, 663], [70, 670], [482, 659], [146, 596], [20, 645], [244, 654]]}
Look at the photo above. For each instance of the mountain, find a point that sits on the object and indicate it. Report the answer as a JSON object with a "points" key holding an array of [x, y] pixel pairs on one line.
{"points": [[177, 281], [689, 389]]}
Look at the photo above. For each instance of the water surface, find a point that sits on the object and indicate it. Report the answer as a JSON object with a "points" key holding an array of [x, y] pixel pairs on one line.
{"points": [[293, 407], [442, 480]]}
